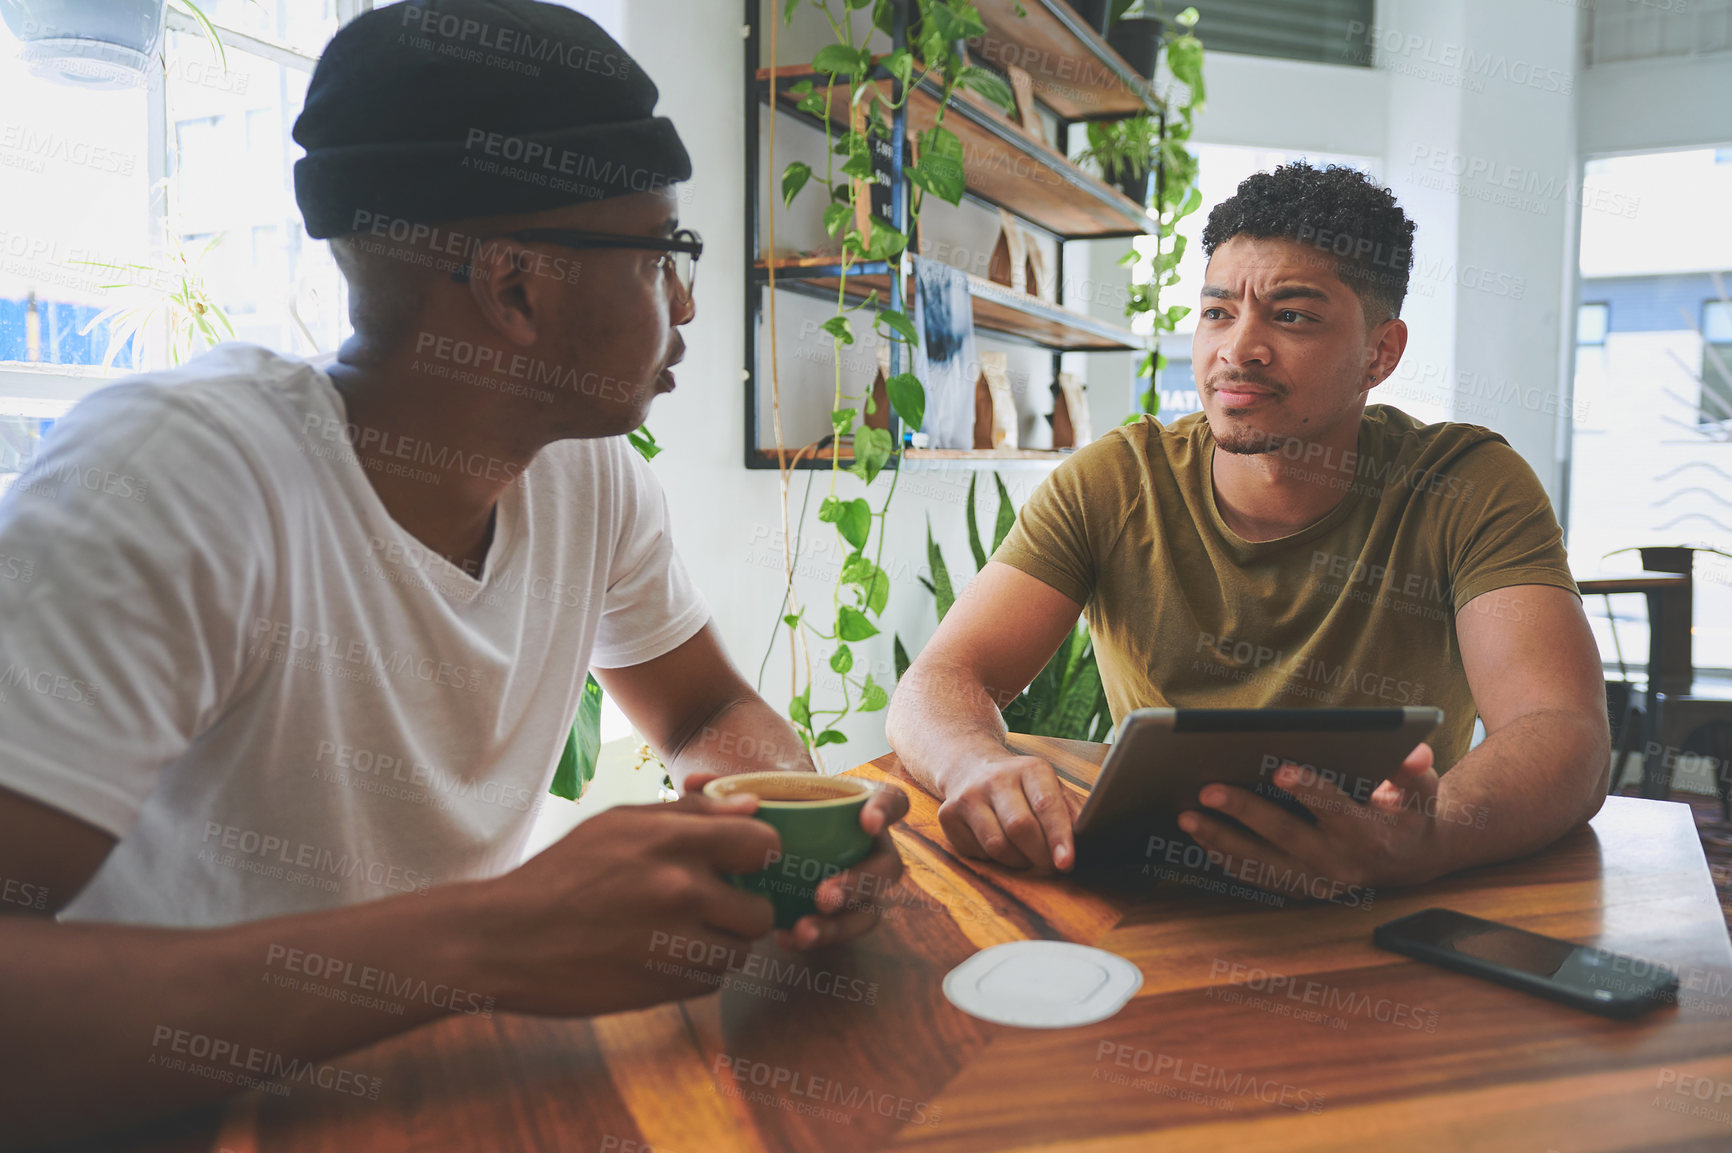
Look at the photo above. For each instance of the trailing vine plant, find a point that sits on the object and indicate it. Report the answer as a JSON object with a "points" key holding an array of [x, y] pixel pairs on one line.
{"points": [[853, 79], [1157, 140]]}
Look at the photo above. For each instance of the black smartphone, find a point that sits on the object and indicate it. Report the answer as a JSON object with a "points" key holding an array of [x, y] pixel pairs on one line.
{"points": [[1611, 984]]}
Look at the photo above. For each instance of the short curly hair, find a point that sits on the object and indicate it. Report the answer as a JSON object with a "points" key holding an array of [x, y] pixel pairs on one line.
{"points": [[1345, 214]]}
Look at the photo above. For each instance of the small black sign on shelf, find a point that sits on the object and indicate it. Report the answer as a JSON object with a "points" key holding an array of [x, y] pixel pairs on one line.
{"points": [[881, 170]]}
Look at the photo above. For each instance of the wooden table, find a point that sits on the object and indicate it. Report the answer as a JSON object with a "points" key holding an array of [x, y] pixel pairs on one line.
{"points": [[1226, 1047]]}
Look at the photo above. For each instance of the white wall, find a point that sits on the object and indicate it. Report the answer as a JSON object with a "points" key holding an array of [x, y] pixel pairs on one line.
{"points": [[1490, 300], [727, 519]]}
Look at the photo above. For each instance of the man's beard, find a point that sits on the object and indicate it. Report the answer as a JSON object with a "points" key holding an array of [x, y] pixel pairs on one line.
{"points": [[1245, 441]]}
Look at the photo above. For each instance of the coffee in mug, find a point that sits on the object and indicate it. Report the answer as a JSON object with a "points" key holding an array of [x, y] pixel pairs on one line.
{"points": [[818, 818]]}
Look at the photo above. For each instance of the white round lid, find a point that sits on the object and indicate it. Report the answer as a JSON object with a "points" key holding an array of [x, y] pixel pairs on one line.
{"points": [[1042, 984]]}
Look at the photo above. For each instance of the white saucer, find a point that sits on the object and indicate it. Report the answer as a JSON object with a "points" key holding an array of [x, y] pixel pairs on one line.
{"points": [[1042, 984]]}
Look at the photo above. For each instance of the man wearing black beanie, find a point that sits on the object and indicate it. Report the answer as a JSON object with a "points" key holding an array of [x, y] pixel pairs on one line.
{"points": [[298, 690]]}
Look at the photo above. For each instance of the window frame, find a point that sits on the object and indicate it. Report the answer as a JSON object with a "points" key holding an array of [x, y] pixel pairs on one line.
{"points": [[23, 380]]}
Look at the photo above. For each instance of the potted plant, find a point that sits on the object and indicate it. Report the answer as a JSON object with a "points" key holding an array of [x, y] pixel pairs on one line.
{"points": [[1136, 36]]}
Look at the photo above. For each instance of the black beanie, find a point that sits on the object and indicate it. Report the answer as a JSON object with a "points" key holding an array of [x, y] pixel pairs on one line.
{"points": [[447, 109]]}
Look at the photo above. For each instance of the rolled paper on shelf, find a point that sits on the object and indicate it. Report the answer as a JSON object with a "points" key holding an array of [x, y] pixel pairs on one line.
{"points": [[1009, 265], [1070, 412], [982, 413], [1023, 86], [1038, 284], [879, 417], [995, 371]]}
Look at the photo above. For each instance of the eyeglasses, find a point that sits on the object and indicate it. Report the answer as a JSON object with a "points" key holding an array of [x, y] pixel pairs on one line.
{"points": [[680, 251]]}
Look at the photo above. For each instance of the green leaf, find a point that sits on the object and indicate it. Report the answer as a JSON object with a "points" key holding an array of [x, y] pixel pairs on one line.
{"points": [[644, 441], [940, 170], [871, 452], [940, 574], [839, 58], [859, 162], [873, 582], [872, 696], [878, 591], [829, 510], [1006, 514], [884, 16], [900, 64], [837, 326], [943, 178], [852, 625], [1186, 19], [831, 737], [794, 178], [842, 420], [582, 745], [908, 398], [800, 709], [792, 620], [886, 241], [899, 655], [1074, 696], [835, 217], [1185, 60], [953, 21], [903, 327], [842, 659], [854, 521], [210, 30], [990, 85], [974, 528], [788, 11]]}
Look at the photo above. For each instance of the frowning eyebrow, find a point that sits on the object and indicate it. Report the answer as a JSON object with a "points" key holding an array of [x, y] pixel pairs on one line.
{"points": [[1285, 292]]}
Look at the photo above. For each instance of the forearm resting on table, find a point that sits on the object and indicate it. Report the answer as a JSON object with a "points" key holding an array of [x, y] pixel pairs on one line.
{"points": [[744, 735], [86, 1046], [1537, 778], [942, 718]]}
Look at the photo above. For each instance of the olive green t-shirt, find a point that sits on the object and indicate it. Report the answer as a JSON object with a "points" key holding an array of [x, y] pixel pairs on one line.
{"points": [[1358, 608]]}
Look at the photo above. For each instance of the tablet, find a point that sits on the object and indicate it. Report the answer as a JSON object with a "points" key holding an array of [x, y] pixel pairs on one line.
{"points": [[1162, 758]]}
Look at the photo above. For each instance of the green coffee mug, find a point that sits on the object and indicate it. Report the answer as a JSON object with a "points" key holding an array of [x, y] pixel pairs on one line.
{"points": [[818, 818]]}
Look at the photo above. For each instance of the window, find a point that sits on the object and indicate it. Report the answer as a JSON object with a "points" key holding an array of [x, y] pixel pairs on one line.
{"points": [[1716, 405], [1592, 321], [117, 199], [1322, 31], [1717, 321], [1652, 421]]}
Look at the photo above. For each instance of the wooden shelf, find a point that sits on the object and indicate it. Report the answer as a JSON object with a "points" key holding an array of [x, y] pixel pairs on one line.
{"points": [[1004, 165], [997, 309], [1075, 73]]}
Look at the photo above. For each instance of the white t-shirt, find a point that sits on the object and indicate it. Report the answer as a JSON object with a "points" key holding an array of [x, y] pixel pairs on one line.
{"points": [[217, 645]]}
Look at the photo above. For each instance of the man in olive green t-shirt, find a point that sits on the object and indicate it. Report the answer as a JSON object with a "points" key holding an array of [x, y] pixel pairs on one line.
{"points": [[1288, 546]]}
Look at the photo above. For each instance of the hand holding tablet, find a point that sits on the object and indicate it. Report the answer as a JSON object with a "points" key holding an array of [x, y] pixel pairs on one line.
{"points": [[1164, 758]]}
